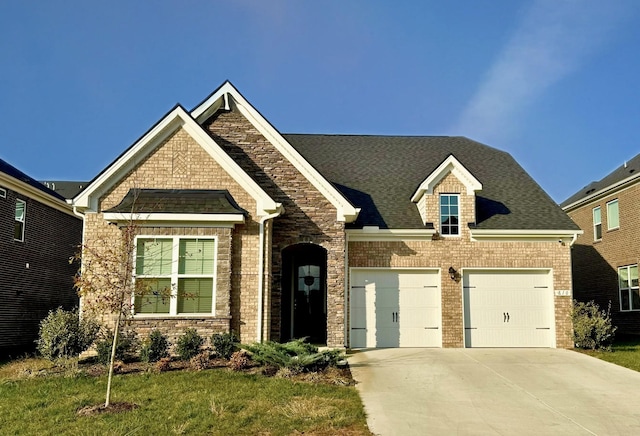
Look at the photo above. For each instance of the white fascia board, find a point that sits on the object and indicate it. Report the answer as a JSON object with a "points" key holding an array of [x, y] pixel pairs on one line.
{"points": [[177, 118], [176, 219], [345, 211], [520, 235], [623, 184], [450, 165], [34, 193], [370, 234]]}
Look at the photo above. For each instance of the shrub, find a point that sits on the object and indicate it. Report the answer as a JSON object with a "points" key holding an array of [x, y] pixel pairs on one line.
{"points": [[297, 355], [155, 347], [225, 344], [63, 334], [239, 360], [163, 364], [200, 361], [188, 345], [125, 348], [592, 327]]}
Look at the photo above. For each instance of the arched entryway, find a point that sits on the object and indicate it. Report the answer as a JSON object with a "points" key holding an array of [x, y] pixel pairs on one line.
{"points": [[304, 293]]}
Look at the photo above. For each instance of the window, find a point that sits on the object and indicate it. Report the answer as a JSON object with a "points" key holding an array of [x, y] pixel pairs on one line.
{"points": [[628, 285], [18, 227], [597, 224], [3, 193], [180, 268], [449, 214], [613, 215]]}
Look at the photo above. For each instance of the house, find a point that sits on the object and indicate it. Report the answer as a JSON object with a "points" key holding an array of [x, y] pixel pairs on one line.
{"points": [[356, 241], [605, 257], [39, 234]]}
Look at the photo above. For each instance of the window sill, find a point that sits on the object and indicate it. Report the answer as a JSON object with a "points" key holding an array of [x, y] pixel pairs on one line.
{"points": [[142, 316]]}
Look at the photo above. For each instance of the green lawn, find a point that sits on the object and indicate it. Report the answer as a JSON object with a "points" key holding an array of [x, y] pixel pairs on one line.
{"points": [[218, 402], [624, 352]]}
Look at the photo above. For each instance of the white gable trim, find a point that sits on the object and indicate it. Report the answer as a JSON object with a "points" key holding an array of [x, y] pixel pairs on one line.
{"points": [[345, 211], [450, 165], [177, 118]]}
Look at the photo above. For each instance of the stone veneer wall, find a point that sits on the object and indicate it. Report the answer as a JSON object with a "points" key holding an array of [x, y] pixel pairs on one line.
{"points": [[180, 163], [308, 217]]}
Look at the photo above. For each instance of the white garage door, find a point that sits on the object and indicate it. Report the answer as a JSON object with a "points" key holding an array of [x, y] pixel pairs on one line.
{"points": [[394, 308], [508, 309]]}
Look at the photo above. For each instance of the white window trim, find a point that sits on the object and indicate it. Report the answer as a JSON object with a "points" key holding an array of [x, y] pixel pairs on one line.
{"points": [[23, 220], [608, 215], [593, 218], [3, 193], [457, 235], [628, 289], [173, 302]]}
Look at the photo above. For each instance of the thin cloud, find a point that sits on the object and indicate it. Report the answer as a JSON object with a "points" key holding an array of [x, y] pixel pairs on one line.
{"points": [[553, 39]]}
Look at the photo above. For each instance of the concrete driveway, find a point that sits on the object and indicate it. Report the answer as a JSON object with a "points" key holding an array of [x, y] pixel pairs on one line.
{"points": [[414, 391]]}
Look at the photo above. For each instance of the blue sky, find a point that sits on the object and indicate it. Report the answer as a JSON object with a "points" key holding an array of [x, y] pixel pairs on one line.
{"points": [[553, 82]]}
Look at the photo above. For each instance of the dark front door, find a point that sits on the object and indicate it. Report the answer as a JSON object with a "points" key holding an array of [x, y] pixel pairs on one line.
{"points": [[304, 293]]}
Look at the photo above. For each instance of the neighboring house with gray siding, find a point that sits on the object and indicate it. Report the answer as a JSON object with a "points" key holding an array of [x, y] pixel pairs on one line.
{"points": [[350, 240], [39, 234], [606, 256]]}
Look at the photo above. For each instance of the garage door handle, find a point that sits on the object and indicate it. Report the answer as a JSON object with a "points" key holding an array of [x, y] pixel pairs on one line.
{"points": [[358, 328], [431, 328], [543, 328], [506, 316], [471, 328]]}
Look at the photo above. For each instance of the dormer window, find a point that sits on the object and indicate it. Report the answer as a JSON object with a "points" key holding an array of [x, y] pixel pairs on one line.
{"points": [[450, 214]]}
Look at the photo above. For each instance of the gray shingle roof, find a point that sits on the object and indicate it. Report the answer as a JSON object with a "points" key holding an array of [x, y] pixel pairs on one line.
{"points": [[624, 171], [12, 171], [68, 189], [380, 174], [200, 201]]}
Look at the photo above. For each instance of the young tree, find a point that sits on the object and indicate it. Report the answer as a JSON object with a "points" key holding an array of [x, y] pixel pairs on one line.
{"points": [[107, 285]]}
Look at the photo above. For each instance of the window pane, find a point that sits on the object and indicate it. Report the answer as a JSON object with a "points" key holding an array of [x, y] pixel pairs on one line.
{"points": [[623, 277], [635, 303], [196, 256], [453, 200], [596, 216], [613, 216], [153, 295], [20, 207], [633, 275], [18, 228], [598, 231], [153, 257], [195, 295], [624, 300]]}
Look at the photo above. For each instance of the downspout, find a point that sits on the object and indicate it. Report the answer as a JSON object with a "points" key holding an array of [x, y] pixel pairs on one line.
{"points": [[82, 216], [263, 219]]}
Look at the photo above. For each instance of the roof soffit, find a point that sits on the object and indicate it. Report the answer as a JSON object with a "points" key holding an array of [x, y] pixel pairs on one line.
{"points": [[174, 120], [228, 95]]}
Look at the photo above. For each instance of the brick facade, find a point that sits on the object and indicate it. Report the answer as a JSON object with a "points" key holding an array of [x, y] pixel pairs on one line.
{"points": [[181, 163], [595, 263], [462, 253], [36, 274]]}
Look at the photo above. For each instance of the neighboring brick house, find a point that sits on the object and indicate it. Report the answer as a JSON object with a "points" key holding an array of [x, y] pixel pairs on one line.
{"points": [[39, 234], [605, 258], [357, 241]]}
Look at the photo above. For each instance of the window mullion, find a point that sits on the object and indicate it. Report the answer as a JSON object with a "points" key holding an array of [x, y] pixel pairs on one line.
{"points": [[175, 252]]}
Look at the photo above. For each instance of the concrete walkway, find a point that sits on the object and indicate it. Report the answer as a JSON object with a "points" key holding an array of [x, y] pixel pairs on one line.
{"points": [[414, 391]]}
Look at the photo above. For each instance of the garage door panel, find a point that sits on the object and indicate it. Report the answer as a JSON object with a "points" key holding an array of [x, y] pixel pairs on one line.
{"points": [[399, 305], [508, 309]]}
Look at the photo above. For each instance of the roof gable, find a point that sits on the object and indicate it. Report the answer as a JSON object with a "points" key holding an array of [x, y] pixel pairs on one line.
{"points": [[226, 95], [380, 174], [177, 118], [449, 165]]}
